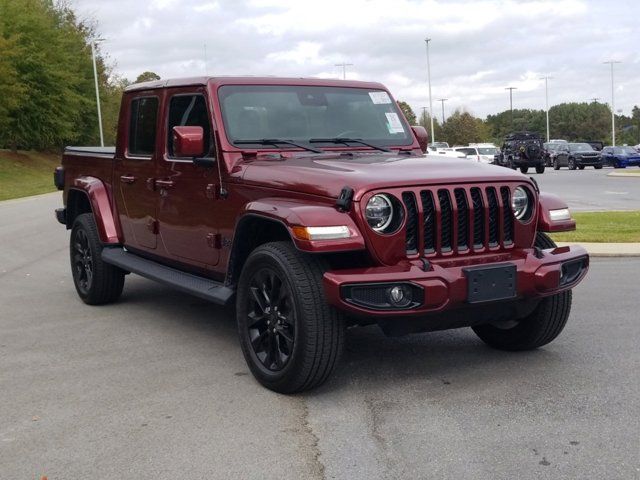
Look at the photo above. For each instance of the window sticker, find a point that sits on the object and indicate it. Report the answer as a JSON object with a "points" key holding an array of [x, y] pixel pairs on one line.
{"points": [[393, 123], [379, 98]]}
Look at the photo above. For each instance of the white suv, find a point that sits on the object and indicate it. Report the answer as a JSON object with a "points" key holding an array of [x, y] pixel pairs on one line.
{"points": [[480, 152]]}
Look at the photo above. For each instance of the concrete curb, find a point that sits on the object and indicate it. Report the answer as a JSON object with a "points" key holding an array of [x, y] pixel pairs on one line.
{"points": [[608, 249], [623, 174]]}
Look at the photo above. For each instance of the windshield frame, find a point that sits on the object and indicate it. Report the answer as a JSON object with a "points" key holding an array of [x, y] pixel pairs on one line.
{"points": [[409, 141]]}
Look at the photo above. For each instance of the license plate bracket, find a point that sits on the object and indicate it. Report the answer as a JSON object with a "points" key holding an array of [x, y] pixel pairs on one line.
{"points": [[491, 283]]}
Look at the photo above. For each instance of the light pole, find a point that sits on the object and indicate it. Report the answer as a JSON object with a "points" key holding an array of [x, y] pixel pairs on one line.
{"points": [[344, 68], [442, 100], [95, 78], [511, 89], [613, 106], [546, 100], [427, 40]]}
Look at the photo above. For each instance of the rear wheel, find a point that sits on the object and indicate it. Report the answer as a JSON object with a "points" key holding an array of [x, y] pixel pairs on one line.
{"points": [[524, 169], [540, 327], [540, 169], [291, 338], [96, 282]]}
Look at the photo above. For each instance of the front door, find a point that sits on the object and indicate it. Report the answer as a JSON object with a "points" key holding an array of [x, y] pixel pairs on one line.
{"points": [[134, 172], [188, 194]]}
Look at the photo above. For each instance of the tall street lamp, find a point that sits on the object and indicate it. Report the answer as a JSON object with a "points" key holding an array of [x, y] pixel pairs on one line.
{"points": [[546, 100], [427, 40], [344, 68], [511, 89], [95, 78], [442, 100], [613, 105]]}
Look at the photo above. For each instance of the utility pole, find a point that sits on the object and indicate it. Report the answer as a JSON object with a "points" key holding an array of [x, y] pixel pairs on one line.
{"points": [[613, 105], [344, 68], [442, 100], [595, 99], [511, 89], [95, 78], [427, 40], [546, 100]]}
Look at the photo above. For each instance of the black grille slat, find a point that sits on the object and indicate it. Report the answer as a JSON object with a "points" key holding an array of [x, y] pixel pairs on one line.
{"points": [[429, 221], [494, 215], [478, 217], [507, 215], [409, 200], [463, 218], [446, 218]]}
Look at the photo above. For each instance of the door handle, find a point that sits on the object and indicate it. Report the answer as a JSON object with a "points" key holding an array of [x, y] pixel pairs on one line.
{"points": [[127, 178], [165, 183]]}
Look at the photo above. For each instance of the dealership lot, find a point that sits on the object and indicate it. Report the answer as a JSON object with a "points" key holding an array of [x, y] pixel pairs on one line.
{"points": [[156, 387]]}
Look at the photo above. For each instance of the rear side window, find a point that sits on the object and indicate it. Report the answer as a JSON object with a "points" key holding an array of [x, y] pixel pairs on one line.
{"points": [[189, 111], [142, 126]]}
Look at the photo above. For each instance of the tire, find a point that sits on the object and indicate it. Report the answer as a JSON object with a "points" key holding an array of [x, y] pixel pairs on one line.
{"points": [[539, 328], [96, 282], [308, 334], [540, 169], [598, 167], [510, 164], [571, 163], [581, 167], [524, 169], [556, 165]]}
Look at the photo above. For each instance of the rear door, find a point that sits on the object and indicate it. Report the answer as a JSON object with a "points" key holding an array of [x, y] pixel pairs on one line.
{"points": [[134, 171], [188, 210]]}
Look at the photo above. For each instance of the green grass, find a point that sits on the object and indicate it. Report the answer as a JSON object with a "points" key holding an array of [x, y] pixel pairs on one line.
{"points": [[603, 227], [26, 173]]}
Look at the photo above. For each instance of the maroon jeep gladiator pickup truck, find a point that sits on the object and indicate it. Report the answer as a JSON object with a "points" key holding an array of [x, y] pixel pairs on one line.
{"points": [[310, 205]]}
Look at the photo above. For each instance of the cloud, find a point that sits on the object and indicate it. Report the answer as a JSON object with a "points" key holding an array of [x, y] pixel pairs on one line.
{"points": [[477, 47]]}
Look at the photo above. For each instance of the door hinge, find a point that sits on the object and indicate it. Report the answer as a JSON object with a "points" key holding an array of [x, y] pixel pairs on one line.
{"points": [[214, 240]]}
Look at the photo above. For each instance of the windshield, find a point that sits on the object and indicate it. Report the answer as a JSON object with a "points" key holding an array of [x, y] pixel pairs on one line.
{"points": [[302, 113], [580, 147], [487, 151]]}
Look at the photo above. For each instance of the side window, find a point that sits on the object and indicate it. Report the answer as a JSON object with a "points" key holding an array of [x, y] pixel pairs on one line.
{"points": [[142, 126], [189, 111]]}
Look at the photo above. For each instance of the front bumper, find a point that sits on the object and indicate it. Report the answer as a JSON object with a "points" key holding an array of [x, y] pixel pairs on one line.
{"points": [[443, 285], [588, 161]]}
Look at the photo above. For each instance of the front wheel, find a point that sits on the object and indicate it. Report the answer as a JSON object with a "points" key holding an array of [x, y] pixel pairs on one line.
{"points": [[556, 164], [572, 164], [539, 328], [96, 282], [581, 167], [524, 169], [291, 338], [598, 167], [540, 169]]}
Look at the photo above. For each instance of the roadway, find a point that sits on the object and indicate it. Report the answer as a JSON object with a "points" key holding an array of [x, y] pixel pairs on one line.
{"points": [[155, 386]]}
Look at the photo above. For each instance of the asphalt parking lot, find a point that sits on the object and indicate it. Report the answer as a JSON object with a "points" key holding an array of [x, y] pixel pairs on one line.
{"points": [[155, 387]]}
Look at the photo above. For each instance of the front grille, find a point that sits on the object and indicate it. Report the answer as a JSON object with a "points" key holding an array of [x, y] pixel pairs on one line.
{"points": [[445, 220]]}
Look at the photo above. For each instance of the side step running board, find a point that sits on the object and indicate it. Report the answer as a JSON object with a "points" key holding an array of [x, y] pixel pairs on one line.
{"points": [[201, 287]]}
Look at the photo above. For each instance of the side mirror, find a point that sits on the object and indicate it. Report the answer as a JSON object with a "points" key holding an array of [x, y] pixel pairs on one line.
{"points": [[188, 141], [422, 137]]}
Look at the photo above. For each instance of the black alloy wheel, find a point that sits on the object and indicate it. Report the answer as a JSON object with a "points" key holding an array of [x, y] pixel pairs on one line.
{"points": [[271, 319], [82, 261], [572, 164]]}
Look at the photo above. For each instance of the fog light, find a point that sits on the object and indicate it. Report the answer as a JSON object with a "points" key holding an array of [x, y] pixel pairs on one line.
{"points": [[400, 295]]}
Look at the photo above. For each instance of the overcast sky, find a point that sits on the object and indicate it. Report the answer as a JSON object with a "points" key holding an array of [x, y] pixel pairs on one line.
{"points": [[478, 47]]}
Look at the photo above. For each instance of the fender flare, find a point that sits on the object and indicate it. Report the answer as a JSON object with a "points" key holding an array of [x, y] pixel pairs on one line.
{"points": [[99, 199], [547, 202]]}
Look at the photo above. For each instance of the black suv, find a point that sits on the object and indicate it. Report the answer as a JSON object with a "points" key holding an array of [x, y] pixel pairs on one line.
{"points": [[582, 155], [522, 150]]}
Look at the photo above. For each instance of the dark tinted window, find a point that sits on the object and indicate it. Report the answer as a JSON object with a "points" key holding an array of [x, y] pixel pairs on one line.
{"points": [[142, 126], [189, 111]]}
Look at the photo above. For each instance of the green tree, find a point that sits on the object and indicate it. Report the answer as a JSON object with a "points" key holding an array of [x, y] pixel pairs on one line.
{"points": [[407, 112], [147, 77], [462, 128]]}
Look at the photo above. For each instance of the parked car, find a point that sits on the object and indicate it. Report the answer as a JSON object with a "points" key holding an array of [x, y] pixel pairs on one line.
{"points": [[620, 157], [481, 154], [582, 155], [308, 205], [556, 154], [522, 150]]}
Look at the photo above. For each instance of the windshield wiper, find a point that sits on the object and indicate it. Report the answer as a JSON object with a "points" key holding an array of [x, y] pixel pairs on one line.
{"points": [[276, 142], [346, 141]]}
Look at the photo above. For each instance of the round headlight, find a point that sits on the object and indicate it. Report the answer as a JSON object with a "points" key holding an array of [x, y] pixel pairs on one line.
{"points": [[379, 212], [520, 203]]}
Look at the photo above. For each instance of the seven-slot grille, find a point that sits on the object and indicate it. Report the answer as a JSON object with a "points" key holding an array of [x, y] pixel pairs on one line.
{"points": [[458, 219]]}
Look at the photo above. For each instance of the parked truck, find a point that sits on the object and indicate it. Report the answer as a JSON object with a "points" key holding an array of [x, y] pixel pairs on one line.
{"points": [[309, 205]]}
